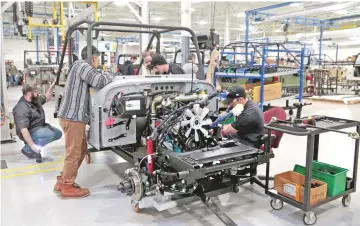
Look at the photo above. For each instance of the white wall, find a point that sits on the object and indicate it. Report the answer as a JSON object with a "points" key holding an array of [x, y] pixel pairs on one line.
{"points": [[14, 50], [343, 54]]}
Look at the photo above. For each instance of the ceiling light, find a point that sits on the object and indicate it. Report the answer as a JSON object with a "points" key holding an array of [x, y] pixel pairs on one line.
{"points": [[157, 18], [296, 4], [203, 22], [127, 19], [341, 12], [278, 30], [355, 38], [240, 15], [120, 3]]}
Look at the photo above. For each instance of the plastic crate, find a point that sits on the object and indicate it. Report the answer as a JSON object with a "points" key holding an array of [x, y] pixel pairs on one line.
{"points": [[336, 182]]}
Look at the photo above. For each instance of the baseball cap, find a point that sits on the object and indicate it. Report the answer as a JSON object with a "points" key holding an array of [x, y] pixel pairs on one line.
{"points": [[234, 92], [158, 60]]}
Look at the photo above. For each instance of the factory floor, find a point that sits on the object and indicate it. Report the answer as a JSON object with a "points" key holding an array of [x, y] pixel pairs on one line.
{"points": [[27, 198]]}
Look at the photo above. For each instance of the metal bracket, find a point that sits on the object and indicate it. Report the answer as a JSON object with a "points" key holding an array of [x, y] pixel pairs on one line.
{"points": [[116, 124], [118, 137]]}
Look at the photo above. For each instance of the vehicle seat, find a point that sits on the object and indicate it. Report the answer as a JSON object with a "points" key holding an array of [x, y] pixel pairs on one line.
{"points": [[276, 136]]}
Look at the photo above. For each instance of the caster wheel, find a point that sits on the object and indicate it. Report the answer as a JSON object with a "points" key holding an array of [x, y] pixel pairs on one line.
{"points": [[346, 200], [276, 204], [135, 206], [236, 189], [309, 218]]}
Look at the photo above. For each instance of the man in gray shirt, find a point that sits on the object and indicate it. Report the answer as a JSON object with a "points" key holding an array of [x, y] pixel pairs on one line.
{"points": [[29, 118], [74, 115], [191, 67]]}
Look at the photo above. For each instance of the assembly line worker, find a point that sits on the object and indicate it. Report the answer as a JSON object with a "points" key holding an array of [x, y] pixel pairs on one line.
{"points": [[74, 115], [12, 71], [159, 65], [29, 118], [191, 67], [248, 127], [147, 57]]}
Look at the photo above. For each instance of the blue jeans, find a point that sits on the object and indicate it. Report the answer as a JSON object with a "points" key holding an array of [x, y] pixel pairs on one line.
{"points": [[13, 80], [43, 136]]}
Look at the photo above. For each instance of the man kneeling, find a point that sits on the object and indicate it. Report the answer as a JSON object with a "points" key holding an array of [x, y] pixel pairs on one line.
{"points": [[29, 117]]}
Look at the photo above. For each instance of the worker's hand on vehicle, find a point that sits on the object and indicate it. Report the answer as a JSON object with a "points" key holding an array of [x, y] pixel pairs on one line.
{"points": [[53, 84], [36, 148]]}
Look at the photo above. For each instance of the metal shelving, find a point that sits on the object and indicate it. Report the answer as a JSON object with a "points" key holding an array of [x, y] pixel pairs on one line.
{"points": [[262, 75]]}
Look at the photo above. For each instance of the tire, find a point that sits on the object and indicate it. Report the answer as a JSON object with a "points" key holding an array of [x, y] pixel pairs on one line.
{"points": [[346, 200], [276, 204], [310, 218]]}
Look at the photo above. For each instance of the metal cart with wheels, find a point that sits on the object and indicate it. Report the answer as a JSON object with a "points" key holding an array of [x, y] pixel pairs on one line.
{"points": [[325, 124]]}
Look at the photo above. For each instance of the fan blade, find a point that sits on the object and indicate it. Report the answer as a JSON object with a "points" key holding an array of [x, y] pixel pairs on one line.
{"points": [[187, 134], [204, 113], [196, 136], [186, 122], [206, 122], [197, 110], [204, 131], [189, 113]]}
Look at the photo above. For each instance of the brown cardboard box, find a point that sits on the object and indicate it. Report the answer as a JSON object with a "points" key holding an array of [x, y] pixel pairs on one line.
{"points": [[334, 71], [290, 184], [271, 90]]}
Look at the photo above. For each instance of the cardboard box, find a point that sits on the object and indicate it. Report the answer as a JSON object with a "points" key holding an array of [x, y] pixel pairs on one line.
{"points": [[290, 184], [271, 90], [335, 71]]}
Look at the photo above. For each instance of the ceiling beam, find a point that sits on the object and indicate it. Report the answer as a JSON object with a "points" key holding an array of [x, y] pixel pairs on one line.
{"points": [[7, 5], [136, 13]]}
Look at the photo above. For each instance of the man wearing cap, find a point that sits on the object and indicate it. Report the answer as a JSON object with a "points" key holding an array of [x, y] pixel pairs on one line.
{"points": [[248, 127], [29, 118], [159, 65], [74, 115]]}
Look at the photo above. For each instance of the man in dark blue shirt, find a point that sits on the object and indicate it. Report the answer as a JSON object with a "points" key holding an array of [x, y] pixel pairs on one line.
{"points": [[29, 117]]}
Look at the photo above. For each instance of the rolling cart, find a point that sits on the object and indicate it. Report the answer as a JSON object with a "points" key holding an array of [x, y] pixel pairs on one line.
{"points": [[323, 124]]}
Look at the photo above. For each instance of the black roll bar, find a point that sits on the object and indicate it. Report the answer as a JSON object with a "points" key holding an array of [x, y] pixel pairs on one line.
{"points": [[75, 27], [200, 73]]}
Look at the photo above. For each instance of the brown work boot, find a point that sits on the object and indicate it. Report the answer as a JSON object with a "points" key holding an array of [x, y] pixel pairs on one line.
{"points": [[73, 191], [58, 185]]}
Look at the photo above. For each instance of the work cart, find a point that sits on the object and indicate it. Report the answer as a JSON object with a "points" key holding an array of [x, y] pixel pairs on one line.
{"points": [[303, 127]]}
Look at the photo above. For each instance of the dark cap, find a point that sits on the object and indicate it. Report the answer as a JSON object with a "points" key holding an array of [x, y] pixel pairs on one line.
{"points": [[234, 92], [158, 60]]}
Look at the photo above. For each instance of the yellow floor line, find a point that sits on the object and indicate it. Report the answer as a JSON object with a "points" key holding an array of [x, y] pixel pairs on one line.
{"points": [[31, 172], [37, 165]]}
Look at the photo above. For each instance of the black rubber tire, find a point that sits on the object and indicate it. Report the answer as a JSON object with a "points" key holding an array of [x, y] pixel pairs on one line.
{"points": [[273, 205], [309, 221], [346, 200]]}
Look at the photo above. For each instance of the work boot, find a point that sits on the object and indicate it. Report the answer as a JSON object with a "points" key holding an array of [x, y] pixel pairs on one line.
{"points": [[69, 191], [59, 184]]}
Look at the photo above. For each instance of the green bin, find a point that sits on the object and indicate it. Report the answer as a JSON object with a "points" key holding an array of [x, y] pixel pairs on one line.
{"points": [[336, 182]]}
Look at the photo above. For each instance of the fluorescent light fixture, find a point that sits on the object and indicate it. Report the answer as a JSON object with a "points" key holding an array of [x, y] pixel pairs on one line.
{"points": [[278, 31], [237, 28], [240, 15], [296, 4], [355, 38], [127, 19], [202, 22], [349, 43], [192, 10], [157, 18], [341, 12], [120, 2]]}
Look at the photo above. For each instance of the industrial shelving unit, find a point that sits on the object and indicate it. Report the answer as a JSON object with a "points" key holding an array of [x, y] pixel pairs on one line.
{"points": [[267, 48]]}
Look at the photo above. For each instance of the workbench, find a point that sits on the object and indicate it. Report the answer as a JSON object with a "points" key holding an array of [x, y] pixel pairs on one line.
{"points": [[312, 153]]}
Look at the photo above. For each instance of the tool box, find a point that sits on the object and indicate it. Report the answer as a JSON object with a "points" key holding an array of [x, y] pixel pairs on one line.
{"points": [[291, 185], [334, 176]]}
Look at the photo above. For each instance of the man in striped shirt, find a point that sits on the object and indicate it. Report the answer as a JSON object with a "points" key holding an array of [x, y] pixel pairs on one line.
{"points": [[74, 115]]}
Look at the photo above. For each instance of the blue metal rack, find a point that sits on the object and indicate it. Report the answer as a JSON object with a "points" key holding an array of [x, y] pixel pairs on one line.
{"points": [[262, 75]]}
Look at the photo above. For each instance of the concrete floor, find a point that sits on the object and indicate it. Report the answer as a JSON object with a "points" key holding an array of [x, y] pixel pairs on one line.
{"points": [[27, 197]]}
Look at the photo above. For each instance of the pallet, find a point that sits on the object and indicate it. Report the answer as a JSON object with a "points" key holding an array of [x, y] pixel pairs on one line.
{"points": [[343, 99]]}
